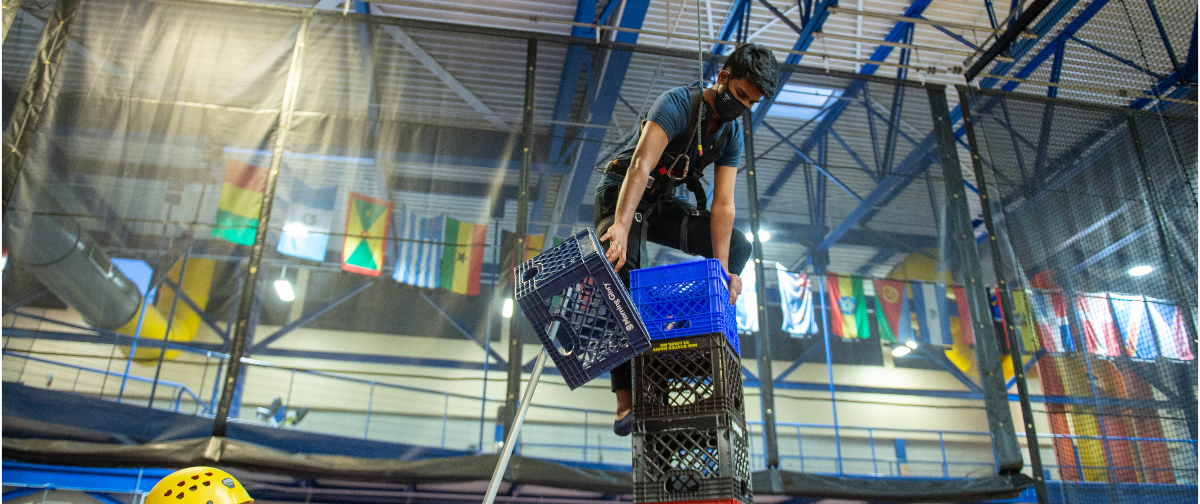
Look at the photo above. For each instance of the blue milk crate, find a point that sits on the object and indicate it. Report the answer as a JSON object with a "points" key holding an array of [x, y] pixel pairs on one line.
{"points": [[574, 284], [685, 299]]}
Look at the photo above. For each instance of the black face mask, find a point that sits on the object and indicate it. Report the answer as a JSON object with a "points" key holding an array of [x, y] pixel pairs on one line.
{"points": [[727, 107]]}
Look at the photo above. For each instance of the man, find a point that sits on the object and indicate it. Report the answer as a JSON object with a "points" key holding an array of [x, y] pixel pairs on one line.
{"points": [[636, 200]]}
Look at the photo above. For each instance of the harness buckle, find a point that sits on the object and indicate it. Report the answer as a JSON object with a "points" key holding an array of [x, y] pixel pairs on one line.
{"points": [[637, 217]]}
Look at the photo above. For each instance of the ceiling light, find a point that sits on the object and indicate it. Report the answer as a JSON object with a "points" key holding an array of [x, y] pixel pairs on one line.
{"points": [[763, 236], [507, 310], [900, 351], [911, 344], [284, 289], [1140, 270]]}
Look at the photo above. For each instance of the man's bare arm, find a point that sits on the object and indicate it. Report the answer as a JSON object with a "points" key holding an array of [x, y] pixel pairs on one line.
{"points": [[721, 222], [645, 156]]}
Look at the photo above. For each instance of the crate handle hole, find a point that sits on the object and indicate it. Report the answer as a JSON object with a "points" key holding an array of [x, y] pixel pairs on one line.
{"points": [[682, 483], [563, 342], [531, 273]]}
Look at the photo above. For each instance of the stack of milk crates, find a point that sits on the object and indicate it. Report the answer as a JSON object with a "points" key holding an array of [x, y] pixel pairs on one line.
{"points": [[689, 434]]}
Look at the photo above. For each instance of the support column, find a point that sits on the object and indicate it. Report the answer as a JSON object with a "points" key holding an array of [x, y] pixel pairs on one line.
{"points": [[237, 341], [518, 320], [762, 338], [991, 375], [31, 103], [1007, 307]]}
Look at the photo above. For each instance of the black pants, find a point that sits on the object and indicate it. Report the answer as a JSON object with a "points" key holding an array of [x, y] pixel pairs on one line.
{"points": [[665, 226]]}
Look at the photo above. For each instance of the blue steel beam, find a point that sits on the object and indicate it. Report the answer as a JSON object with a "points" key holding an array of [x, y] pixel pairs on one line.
{"points": [[811, 351], [462, 328], [1162, 33], [918, 158], [814, 164], [1125, 61], [585, 11], [1181, 77], [1049, 20], [938, 357], [816, 20], [21, 492], [600, 111], [852, 154], [881, 53], [957, 394], [953, 35], [916, 161], [732, 23], [310, 316], [204, 316], [1049, 49], [26, 300], [1028, 365]]}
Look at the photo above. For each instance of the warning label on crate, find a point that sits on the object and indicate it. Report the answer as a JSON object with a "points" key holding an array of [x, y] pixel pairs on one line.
{"points": [[667, 346]]}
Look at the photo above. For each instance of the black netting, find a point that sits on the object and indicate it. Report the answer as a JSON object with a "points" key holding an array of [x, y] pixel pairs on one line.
{"points": [[1098, 210]]}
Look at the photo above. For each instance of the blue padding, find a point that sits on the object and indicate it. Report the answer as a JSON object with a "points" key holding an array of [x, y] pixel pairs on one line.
{"points": [[80, 478], [38, 413]]}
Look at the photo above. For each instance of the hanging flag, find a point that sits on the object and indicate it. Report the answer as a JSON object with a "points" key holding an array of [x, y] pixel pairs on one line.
{"points": [[847, 307], [367, 222], [1133, 323], [933, 319], [1050, 321], [746, 305], [240, 203], [795, 293], [534, 245], [462, 257], [1024, 321], [309, 221], [1099, 330], [1169, 326], [891, 309], [419, 259], [964, 315]]}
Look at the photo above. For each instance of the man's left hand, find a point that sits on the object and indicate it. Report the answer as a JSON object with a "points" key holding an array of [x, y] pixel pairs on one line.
{"points": [[735, 287]]}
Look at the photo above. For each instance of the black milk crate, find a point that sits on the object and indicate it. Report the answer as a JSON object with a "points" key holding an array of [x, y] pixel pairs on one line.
{"points": [[574, 284], [691, 458], [688, 376]]}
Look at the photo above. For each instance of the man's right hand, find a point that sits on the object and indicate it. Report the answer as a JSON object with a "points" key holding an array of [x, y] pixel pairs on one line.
{"points": [[617, 237]]}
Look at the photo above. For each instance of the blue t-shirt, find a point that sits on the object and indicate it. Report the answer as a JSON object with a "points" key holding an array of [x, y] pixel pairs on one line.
{"points": [[670, 112]]}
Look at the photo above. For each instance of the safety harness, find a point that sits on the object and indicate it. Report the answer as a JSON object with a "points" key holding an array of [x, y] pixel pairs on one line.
{"points": [[675, 167]]}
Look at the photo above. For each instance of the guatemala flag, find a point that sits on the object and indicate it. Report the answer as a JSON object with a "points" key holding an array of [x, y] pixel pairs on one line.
{"points": [[421, 246], [796, 297], [309, 222]]}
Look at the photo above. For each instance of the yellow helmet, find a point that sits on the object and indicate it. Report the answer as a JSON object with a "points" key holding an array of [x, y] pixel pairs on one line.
{"points": [[198, 485]]}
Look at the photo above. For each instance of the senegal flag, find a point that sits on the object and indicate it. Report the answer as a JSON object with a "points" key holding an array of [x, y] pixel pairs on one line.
{"points": [[367, 221], [462, 256], [241, 202], [848, 309]]}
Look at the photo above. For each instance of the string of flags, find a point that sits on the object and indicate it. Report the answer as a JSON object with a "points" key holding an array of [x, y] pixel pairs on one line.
{"points": [[433, 251], [1111, 325], [443, 252]]}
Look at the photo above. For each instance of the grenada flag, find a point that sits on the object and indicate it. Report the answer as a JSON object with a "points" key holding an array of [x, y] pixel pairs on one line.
{"points": [[367, 221]]}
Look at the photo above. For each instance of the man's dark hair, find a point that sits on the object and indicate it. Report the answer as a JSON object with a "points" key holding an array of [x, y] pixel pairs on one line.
{"points": [[755, 63]]}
